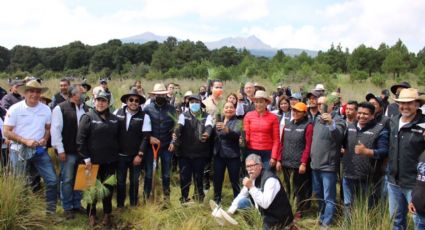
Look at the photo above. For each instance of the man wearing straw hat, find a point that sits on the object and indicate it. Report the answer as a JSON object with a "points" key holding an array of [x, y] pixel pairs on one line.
{"points": [[161, 114], [406, 145], [27, 125]]}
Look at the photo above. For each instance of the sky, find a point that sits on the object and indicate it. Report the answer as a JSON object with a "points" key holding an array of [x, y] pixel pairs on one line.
{"points": [[313, 24]]}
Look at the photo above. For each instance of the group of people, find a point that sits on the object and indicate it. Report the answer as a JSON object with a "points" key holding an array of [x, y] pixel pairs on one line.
{"points": [[372, 148]]}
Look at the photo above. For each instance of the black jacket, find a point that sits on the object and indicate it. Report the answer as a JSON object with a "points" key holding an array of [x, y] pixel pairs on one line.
{"points": [[226, 145], [97, 138], [188, 137], [133, 139], [406, 146]]}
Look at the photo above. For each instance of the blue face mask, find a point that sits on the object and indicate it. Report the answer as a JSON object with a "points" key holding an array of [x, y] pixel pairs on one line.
{"points": [[195, 107]]}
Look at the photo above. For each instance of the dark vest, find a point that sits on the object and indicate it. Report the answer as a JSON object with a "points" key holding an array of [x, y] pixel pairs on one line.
{"points": [[57, 99], [103, 143], [131, 139], [279, 211], [393, 110], [70, 126], [191, 146], [294, 143], [161, 121], [360, 166]]}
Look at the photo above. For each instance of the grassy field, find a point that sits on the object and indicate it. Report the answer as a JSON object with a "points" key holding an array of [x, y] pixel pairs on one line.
{"points": [[20, 209]]}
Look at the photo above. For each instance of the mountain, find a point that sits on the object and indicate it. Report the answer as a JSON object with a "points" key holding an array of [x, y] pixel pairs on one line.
{"points": [[143, 38], [251, 43]]}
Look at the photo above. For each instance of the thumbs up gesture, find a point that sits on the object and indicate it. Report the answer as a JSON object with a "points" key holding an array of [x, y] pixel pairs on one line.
{"points": [[360, 148]]}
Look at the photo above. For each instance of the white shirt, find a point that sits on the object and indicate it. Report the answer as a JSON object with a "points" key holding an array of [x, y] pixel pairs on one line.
{"points": [[57, 126], [401, 124], [147, 126], [209, 120], [28, 122], [261, 199]]}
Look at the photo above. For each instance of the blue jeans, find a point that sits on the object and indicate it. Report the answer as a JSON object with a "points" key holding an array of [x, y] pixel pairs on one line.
{"points": [[264, 154], [165, 157], [125, 164], [245, 203], [399, 198], [44, 166], [420, 222], [324, 186], [70, 199]]}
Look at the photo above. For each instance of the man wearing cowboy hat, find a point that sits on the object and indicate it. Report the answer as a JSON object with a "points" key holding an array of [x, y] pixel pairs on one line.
{"points": [[392, 109], [27, 125], [406, 145], [65, 119], [193, 138], [135, 126], [13, 96], [161, 114]]}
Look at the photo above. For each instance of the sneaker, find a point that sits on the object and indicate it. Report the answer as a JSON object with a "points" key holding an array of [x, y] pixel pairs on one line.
{"points": [[186, 201]]}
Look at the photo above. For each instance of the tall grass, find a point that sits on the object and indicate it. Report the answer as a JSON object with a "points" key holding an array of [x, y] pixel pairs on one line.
{"points": [[19, 207]]}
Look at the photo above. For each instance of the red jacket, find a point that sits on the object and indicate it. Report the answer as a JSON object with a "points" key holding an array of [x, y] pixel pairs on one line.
{"points": [[262, 132]]}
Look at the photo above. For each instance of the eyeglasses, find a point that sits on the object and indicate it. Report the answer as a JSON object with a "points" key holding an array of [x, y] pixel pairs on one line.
{"points": [[133, 100], [250, 166]]}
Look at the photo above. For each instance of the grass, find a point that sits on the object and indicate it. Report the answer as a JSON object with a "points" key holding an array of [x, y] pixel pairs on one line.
{"points": [[20, 209]]}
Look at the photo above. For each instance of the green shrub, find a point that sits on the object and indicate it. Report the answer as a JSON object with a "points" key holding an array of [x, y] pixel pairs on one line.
{"points": [[378, 80]]}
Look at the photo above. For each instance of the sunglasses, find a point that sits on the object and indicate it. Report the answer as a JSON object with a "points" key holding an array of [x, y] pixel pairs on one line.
{"points": [[133, 100]]}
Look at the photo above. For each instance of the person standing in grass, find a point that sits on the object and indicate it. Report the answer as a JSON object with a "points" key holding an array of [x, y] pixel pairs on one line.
{"points": [[328, 134], [135, 127], [227, 151], [366, 145], [295, 156], [194, 143], [62, 95], [98, 143], [161, 115], [262, 131], [406, 145], [65, 119], [27, 125]]}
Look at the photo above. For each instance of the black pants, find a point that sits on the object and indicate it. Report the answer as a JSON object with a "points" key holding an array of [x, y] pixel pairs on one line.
{"points": [[105, 171], [233, 166], [302, 187], [192, 168]]}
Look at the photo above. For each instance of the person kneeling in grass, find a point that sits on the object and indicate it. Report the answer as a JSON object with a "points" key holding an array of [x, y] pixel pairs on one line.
{"points": [[268, 194]]}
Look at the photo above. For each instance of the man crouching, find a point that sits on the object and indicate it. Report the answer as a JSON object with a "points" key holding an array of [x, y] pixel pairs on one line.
{"points": [[268, 194]]}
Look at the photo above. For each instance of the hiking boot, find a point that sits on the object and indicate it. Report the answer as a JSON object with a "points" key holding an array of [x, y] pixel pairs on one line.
{"points": [[186, 201], [80, 210], [69, 215], [92, 221], [107, 220]]}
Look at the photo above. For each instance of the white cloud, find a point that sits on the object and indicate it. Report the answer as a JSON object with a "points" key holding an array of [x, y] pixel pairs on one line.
{"points": [[352, 23]]}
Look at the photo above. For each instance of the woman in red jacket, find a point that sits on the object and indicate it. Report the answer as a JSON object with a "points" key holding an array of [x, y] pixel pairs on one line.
{"points": [[262, 130]]}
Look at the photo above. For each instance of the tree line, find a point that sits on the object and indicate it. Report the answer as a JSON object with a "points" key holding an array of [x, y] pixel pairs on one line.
{"points": [[188, 59]]}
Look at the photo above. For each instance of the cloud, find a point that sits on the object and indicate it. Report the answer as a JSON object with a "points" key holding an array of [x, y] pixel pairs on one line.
{"points": [[352, 23]]}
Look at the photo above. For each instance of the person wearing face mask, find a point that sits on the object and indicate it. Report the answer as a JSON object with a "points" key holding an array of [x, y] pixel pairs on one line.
{"points": [[212, 101], [161, 114], [65, 120], [194, 143]]}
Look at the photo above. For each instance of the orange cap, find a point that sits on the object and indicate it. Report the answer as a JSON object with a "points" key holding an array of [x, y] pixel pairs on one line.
{"points": [[300, 106]]}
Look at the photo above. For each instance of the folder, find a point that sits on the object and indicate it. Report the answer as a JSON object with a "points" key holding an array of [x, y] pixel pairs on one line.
{"points": [[85, 178]]}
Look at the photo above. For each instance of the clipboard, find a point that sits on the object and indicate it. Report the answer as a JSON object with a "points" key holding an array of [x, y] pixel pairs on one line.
{"points": [[84, 178]]}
